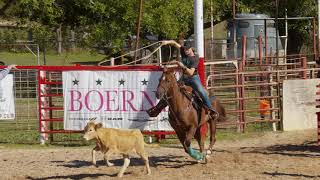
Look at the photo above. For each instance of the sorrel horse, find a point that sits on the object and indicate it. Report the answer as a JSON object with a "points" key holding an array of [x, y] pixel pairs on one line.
{"points": [[184, 118]]}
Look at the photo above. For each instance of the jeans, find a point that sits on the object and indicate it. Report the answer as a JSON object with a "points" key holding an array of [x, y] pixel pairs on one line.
{"points": [[196, 85]]}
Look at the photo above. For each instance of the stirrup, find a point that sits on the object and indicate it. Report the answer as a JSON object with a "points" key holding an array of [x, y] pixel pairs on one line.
{"points": [[213, 113]]}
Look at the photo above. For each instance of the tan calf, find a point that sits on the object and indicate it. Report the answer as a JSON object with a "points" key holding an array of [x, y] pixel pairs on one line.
{"points": [[110, 141]]}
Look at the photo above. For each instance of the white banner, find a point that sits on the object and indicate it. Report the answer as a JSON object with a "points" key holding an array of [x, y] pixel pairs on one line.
{"points": [[299, 104], [118, 99], [7, 106]]}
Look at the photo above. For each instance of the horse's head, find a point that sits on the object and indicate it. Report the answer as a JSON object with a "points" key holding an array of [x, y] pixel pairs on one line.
{"points": [[166, 82]]}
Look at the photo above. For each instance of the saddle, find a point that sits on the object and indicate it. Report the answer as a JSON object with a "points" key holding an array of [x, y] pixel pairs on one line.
{"points": [[195, 99], [193, 96]]}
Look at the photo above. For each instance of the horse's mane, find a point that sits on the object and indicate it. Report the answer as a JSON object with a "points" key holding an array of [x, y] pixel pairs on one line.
{"points": [[169, 71]]}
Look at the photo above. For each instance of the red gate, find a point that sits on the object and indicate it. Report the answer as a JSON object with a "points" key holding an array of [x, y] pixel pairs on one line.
{"points": [[50, 96]]}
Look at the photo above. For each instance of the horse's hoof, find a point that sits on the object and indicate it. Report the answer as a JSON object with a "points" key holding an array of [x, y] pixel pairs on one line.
{"points": [[203, 160], [110, 164], [209, 152]]}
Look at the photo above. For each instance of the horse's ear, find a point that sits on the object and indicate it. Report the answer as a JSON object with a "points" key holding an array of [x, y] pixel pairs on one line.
{"points": [[171, 70]]}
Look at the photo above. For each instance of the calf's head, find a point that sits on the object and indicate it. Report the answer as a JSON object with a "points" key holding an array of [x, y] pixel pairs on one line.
{"points": [[90, 131]]}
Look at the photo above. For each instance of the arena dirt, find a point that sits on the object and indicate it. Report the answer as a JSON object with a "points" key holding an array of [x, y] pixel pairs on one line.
{"points": [[293, 155]]}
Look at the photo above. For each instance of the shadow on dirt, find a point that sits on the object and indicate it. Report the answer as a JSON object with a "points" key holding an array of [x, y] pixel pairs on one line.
{"points": [[76, 176], [168, 161], [279, 174], [307, 149]]}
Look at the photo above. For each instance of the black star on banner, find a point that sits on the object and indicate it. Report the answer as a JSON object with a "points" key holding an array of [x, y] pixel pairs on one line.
{"points": [[98, 82], [144, 82], [75, 82], [121, 82]]}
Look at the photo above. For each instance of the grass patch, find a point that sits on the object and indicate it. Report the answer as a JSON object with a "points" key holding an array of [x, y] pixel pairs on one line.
{"points": [[19, 136], [52, 59], [253, 130], [231, 136]]}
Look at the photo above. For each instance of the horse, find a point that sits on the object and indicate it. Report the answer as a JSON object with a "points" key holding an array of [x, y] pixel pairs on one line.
{"points": [[184, 117]]}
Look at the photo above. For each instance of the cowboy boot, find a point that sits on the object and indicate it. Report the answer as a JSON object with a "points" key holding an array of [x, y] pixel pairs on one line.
{"points": [[211, 112], [155, 111]]}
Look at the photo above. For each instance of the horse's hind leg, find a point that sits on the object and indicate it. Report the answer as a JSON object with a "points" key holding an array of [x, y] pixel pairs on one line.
{"points": [[213, 128], [200, 140]]}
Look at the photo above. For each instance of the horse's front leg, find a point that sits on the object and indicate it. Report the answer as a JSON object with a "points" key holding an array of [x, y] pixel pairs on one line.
{"points": [[187, 143], [179, 131]]}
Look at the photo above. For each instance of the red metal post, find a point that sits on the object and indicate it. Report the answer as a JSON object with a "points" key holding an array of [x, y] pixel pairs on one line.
{"points": [[315, 55], [202, 76], [201, 68], [318, 120], [241, 83], [43, 105], [318, 113]]}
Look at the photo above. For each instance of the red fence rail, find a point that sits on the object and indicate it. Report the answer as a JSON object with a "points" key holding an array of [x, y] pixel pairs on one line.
{"points": [[318, 113]]}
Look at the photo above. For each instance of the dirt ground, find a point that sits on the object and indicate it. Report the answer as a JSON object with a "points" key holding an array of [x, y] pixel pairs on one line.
{"points": [[283, 155]]}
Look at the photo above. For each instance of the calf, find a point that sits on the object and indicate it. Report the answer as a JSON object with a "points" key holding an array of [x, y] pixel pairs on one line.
{"points": [[110, 141]]}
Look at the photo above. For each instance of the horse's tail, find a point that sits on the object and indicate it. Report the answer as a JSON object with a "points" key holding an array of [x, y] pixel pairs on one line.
{"points": [[220, 109], [221, 118]]}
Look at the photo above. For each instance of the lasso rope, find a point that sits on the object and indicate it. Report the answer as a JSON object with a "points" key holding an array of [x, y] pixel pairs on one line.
{"points": [[132, 52]]}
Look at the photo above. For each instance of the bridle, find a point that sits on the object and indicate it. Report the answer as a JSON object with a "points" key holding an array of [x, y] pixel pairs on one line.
{"points": [[165, 96], [165, 89]]}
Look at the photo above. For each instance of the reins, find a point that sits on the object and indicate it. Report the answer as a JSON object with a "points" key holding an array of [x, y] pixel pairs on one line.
{"points": [[166, 98]]}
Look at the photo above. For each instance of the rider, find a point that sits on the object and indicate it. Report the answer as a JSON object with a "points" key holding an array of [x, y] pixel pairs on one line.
{"points": [[190, 77], [4, 72]]}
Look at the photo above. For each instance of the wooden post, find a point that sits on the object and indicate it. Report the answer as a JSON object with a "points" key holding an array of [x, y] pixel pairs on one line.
{"points": [[138, 31], [59, 39], [73, 41], [304, 66], [260, 49]]}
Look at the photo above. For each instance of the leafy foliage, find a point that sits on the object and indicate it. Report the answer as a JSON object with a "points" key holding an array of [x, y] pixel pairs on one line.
{"points": [[108, 23]]}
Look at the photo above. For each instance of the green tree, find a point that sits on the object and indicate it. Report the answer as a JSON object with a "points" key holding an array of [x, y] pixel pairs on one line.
{"points": [[107, 23]]}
